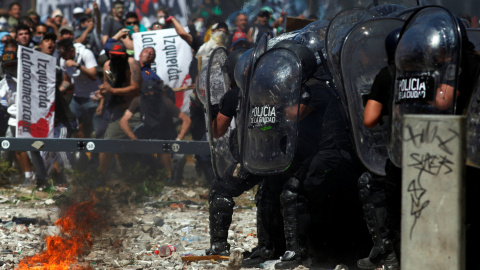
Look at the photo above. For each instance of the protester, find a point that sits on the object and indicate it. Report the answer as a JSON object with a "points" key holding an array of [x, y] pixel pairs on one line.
{"points": [[66, 32], [23, 36], [80, 72], [86, 35], [113, 23], [241, 26], [55, 22], [14, 12], [9, 62], [120, 91], [260, 27], [218, 38], [40, 31], [157, 120]]}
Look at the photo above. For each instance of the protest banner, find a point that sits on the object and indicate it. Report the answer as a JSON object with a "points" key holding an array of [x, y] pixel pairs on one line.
{"points": [[35, 94], [173, 57]]}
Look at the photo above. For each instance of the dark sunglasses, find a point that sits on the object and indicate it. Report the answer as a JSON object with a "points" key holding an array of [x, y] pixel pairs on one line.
{"points": [[131, 23]]}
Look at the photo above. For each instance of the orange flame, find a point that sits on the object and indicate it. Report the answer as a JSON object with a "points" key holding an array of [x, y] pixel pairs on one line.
{"points": [[75, 238]]}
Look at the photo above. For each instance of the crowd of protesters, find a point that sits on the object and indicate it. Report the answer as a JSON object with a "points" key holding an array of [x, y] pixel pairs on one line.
{"points": [[88, 105]]}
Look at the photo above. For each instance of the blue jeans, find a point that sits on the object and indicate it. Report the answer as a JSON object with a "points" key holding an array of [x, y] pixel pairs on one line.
{"points": [[84, 110]]}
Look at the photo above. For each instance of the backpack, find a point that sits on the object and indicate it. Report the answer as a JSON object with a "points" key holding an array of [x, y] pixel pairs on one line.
{"points": [[152, 107]]}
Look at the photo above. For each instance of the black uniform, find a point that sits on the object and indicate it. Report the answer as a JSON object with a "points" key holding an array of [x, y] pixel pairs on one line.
{"points": [[325, 171], [234, 183]]}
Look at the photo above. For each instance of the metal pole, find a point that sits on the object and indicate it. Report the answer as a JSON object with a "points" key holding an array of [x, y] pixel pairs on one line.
{"points": [[433, 186]]}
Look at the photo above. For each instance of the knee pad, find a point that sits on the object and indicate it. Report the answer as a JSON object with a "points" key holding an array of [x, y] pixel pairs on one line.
{"points": [[291, 191], [364, 187], [222, 202]]}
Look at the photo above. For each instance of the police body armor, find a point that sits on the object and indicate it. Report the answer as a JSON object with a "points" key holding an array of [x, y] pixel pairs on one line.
{"points": [[362, 58], [272, 112], [473, 112], [427, 63], [212, 86]]}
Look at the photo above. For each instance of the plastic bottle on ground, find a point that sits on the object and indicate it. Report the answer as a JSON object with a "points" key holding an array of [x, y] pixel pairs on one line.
{"points": [[167, 250]]}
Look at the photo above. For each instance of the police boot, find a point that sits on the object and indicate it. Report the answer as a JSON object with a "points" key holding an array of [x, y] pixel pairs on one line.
{"points": [[261, 255], [221, 211], [265, 250], [295, 219], [372, 195]]}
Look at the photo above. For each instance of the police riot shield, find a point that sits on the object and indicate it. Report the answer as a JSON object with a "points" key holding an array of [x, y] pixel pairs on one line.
{"points": [[386, 10], [241, 73], [201, 86], [313, 37], [427, 62], [285, 36], [337, 30], [272, 113], [363, 56], [217, 85], [259, 49], [473, 128], [473, 111]]}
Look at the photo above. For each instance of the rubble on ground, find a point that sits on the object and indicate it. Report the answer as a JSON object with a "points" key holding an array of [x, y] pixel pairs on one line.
{"points": [[178, 216]]}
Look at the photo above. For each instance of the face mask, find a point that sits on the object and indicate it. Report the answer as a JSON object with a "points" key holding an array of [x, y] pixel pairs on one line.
{"points": [[219, 37], [161, 21], [37, 39], [198, 26]]}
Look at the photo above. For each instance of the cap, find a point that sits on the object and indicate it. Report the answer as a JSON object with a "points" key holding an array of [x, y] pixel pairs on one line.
{"points": [[31, 12], [267, 9], [239, 36], [78, 10], [220, 25], [118, 48], [57, 12], [65, 28]]}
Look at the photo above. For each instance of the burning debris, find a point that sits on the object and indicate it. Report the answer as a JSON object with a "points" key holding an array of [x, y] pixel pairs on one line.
{"points": [[76, 236], [102, 233]]}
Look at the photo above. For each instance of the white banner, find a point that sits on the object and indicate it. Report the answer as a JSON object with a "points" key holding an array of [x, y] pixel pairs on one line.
{"points": [[172, 62], [35, 94]]}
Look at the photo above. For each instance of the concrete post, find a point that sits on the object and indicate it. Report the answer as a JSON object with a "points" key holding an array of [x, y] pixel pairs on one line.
{"points": [[433, 187]]}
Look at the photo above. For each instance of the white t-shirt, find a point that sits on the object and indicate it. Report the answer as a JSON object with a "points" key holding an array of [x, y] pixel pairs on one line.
{"points": [[82, 85]]}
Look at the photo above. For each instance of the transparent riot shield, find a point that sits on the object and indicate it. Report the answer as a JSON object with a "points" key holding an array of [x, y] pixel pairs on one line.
{"points": [[427, 67], [473, 112], [313, 37], [241, 73], [337, 30], [217, 85], [272, 113], [386, 10], [259, 49], [473, 128], [363, 56], [405, 3], [285, 36], [201, 87]]}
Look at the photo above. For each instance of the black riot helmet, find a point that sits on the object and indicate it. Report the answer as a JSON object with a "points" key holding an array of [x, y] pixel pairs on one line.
{"points": [[306, 56], [391, 42], [230, 63]]}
